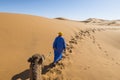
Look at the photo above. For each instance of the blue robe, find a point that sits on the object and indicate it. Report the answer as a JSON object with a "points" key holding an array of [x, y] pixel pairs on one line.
{"points": [[59, 46]]}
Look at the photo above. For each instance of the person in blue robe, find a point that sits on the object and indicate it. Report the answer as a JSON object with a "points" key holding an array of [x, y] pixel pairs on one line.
{"points": [[58, 46]]}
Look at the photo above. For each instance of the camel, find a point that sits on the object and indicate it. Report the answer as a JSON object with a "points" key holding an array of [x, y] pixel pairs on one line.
{"points": [[36, 64]]}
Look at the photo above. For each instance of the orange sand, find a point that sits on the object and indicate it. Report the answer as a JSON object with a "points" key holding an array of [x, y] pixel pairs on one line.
{"points": [[94, 57]]}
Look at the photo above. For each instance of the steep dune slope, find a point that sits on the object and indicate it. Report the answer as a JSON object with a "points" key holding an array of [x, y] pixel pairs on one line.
{"points": [[95, 56], [24, 35]]}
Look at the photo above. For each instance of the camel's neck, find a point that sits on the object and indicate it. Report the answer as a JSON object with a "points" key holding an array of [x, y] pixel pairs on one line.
{"points": [[35, 72]]}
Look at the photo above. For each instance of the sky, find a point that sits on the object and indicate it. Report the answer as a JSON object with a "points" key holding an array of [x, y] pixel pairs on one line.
{"points": [[71, 9]]}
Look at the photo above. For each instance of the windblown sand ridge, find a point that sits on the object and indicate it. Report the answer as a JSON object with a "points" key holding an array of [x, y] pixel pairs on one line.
{"points": [[92, 52], [102, 22]]}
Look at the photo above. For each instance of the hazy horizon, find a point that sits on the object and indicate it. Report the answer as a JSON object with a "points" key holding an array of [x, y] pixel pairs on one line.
{"points": [[71, 9]]}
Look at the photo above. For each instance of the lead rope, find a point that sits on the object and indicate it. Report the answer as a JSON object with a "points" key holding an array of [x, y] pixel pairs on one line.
{"points": [[46, 56]]}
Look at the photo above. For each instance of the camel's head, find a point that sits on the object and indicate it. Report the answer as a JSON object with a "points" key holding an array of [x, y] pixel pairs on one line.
{"points": [[36, 59]]}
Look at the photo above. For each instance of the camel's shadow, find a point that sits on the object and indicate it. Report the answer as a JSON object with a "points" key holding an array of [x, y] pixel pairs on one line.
{"points": [[25, 74], [21, 76]]}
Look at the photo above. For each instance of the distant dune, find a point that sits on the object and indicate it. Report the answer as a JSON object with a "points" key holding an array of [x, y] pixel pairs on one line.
{"points": [[92, 50], [102, 22], [61, 18], [96, 21]]}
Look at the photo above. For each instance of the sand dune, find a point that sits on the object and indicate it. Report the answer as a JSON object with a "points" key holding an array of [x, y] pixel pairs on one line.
{"points": [[92, 51], [102, 22], [61, 18]]}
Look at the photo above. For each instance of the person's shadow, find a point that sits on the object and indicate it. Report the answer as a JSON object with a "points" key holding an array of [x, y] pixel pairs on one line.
{"points": [[47, 68], [22, 76]]}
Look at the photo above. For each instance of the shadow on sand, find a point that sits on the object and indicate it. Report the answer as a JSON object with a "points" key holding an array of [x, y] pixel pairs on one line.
{"points": [[22, 76], [47, 68], [25, 74]]}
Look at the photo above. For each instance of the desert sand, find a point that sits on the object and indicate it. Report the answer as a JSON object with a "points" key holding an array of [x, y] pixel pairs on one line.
{"points": [[93, 51]]}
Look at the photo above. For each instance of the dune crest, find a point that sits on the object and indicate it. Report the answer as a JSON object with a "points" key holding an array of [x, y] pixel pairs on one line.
{"points": [[102, 22]]}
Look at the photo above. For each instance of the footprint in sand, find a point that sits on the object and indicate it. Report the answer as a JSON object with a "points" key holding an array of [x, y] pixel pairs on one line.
{"points": [[69, 48], [93, 38], [61, 65], [90, 37], [99, 46], [93, 30], [88, 33], [77, 36], [67, 44], [57, 71], [70, 51], [86, 68], [112, 59], [117, 63], [81, 33], [73, 41], [106, 54], [84, 34], [105, 51]]}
